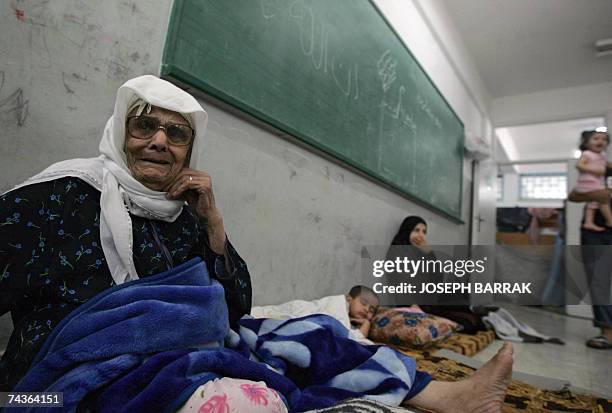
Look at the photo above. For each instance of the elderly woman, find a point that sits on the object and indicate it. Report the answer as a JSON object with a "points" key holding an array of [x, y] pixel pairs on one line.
{"points": [[84, 225]]}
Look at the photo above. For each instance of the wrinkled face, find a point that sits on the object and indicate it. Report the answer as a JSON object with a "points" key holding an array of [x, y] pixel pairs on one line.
{"points": [[418, 235], [598, 142], [363, 306], [155, 162]]}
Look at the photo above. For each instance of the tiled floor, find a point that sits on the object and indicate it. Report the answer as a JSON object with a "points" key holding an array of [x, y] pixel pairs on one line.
{"points": [[582, 366]]}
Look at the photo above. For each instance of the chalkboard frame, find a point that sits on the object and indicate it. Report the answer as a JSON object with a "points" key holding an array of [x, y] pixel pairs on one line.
{"points": [[172, 71]]}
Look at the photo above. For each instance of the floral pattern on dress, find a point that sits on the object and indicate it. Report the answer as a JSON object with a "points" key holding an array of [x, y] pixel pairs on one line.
{"points": [[216, 404], [256, 394], [229, 395], [51, 261]]}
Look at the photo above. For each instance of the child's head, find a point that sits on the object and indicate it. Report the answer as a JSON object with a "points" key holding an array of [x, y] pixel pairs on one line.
{"points": [[594, 141], [362, 302]]}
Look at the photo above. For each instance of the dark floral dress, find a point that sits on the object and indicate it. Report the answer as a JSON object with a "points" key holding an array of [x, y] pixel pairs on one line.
{"points": [[51, 261]]}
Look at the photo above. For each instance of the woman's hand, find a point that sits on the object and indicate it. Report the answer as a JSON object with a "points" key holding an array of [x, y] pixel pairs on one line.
{"points": [[421, 244], [195, 187]]}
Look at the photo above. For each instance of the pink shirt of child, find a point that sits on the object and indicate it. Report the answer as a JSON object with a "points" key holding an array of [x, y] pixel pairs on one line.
{"points": [[588, 182]]}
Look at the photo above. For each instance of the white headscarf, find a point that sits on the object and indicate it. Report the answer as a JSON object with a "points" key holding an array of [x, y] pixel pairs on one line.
{"points": [[121, 193]]}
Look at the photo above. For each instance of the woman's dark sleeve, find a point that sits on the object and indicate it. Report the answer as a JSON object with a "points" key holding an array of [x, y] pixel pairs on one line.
{"points": [[234, 277], [22, 230], [7, 226]]}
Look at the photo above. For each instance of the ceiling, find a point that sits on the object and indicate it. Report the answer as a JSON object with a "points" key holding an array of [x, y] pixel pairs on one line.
{"points": [[526, 46]]}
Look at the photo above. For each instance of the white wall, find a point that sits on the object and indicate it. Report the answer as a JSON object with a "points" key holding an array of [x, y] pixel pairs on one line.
{"points": [[298, 219], [60, 66], [552, 105]]}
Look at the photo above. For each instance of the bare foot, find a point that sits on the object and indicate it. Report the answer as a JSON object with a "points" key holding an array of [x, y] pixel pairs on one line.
{"points": [[593, 227], [490, 383], [483, 392]]}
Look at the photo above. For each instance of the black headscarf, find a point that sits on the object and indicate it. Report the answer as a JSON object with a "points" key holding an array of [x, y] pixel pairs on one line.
{"points": [[403, 234]]}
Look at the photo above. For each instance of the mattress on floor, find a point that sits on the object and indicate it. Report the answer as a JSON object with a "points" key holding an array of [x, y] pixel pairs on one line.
{"points": [[465, 344], [521, 397]]}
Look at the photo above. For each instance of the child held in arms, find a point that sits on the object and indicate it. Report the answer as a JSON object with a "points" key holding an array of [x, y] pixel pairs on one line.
{"points": [[590, 186]]}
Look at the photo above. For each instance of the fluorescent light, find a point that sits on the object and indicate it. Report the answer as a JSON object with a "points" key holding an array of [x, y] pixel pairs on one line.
{"points": [[603, 47], [601, 129]]}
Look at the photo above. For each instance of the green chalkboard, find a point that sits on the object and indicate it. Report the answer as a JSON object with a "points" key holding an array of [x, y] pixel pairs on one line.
{"points": [[331, 73]]}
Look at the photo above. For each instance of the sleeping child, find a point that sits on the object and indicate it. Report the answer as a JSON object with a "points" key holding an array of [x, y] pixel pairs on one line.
{"points": [[362, 305], [354, 310]]}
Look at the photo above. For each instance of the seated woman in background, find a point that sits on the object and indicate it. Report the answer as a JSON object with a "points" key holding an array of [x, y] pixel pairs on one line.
{"points": [[413, 232]]}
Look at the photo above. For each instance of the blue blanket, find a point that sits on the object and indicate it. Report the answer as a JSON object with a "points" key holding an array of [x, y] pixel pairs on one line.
{"points": [[148, 344]]}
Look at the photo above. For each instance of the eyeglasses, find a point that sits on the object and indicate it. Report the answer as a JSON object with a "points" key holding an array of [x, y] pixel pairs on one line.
{"points": [[144, 127]]}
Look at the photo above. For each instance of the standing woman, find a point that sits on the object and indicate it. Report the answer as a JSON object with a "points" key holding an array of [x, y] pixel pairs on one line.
{"points": [[85, 225], [597, 261], [595, 233]]}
